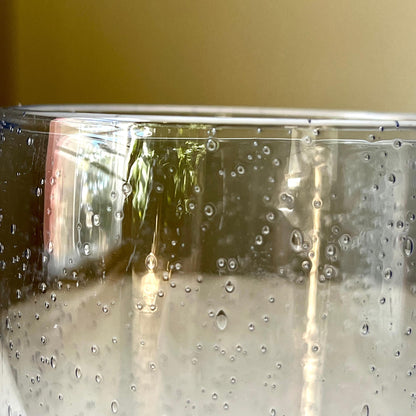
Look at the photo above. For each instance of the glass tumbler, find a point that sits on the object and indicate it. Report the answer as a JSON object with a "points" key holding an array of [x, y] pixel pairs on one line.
{"points": [[167, 261]]}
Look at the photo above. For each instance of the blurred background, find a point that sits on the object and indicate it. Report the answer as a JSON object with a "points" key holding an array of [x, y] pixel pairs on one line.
{"points": [[316, 54]]}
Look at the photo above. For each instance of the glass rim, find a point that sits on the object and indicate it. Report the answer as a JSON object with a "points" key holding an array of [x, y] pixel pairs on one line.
{"points": [[218, 115]]}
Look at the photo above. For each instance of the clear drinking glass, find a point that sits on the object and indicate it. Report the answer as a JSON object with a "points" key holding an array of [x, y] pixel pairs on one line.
{"points": [[207, 261]]}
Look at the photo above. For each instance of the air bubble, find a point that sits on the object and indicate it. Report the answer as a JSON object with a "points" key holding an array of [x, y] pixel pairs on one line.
{"points": [[221, 320]]}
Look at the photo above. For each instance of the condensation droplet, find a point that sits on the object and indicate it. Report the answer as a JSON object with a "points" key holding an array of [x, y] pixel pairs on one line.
{"points": [[317, 203], [78, 373], [221, 320], [53, 361], [251, 327], [94, 349], [98, 378], [126, 189]]}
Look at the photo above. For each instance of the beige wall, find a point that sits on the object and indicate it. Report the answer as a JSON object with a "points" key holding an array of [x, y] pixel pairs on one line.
{"points": [[294, 53]]}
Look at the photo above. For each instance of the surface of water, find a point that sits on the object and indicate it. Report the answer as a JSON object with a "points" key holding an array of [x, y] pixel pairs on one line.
{"points": [[228, 271]]}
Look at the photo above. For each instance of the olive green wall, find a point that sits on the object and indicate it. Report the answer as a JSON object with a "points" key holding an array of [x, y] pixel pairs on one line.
{"points": [[295, 53]]}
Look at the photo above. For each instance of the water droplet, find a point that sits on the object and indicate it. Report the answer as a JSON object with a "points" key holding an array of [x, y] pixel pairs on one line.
{"points": [[94, 349], [209, 210], [78, 373], [240, 169], [263, 349], [150, 262], [273, 412], [29, 141], [160, 293], [296, 240], [229, 287], [258, 240], [226, 406], [383, 300], [60, 396], [270, 216], [87, 249], [133, 387], [212, 145], [152, 366], [365, 411], [397, 353], [317, 203], [232, 264], [331, 250], [271, 299], [345, 240], [221, 262], [43, 287], [408, 331], [221, 320], [408, 246], [251, 327], [98, 378], [53, 361], [105, 308], [315, 348], [126, 189], [13, 229], [391, 178], [329, 272], [388, 273], [187, 289], [114, 406], [364, 329], [43, 339], [397, 144], [266, 150], [214, 396]]}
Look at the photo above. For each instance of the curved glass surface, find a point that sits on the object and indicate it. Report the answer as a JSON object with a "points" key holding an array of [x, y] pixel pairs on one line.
{"points": [[167, 260]]}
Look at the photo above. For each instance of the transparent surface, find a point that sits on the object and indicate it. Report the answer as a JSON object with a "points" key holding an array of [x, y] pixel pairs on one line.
{"points": [[217, 261]]}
